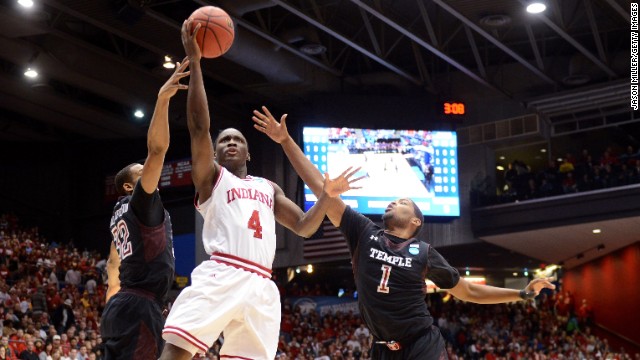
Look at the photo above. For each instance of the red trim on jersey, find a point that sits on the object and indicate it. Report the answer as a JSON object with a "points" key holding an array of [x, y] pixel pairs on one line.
{"points": [[242, 264], [235, 357], [186, 336], [215, 184]]}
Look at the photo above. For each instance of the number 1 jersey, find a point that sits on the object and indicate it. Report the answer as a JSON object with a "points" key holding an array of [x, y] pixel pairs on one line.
{"points": [[239, 218]]}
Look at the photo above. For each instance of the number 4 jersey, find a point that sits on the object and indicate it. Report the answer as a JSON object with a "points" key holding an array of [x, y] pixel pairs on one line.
{"points": [[239, 218], [390, 277]]}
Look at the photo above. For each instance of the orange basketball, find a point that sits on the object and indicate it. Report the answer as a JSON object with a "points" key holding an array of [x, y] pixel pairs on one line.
{"points": [[216, 33]]}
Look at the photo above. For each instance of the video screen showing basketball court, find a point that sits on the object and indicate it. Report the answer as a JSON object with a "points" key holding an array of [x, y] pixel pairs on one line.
{"points": [[418, 164]]}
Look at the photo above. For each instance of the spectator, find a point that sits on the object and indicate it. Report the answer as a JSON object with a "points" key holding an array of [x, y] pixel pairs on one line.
{"points": [[63, 318]]}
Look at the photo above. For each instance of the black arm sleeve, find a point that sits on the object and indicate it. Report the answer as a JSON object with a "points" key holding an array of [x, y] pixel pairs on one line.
{"points": [[147, 207], [440, 272]]}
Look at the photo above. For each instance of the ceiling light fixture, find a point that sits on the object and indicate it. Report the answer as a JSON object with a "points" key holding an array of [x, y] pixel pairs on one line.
{"points": [[26, 3], [500, 168], [31, 73], [597, 231], [139, 114], [168, 62], [543, 150], [536, 7]]}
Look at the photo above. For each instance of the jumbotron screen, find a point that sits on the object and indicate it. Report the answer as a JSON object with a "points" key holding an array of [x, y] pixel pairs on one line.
{"points": [[418, 164]]}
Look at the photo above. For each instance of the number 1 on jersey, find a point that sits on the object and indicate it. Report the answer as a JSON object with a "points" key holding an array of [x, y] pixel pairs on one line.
{"points": [[384, 281], [254, 224]]}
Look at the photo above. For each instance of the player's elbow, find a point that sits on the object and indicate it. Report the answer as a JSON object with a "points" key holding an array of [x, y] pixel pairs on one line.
{"points": [[156, 148], [304, 230]]}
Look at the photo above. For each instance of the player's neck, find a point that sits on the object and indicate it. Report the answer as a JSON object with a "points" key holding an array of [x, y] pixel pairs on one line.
{"points": [[399, 233], [240, 172]]}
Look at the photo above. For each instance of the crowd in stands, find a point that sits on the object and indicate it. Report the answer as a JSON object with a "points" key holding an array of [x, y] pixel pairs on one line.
{"points": [[551, 327], [52, 295], [571, 174]]}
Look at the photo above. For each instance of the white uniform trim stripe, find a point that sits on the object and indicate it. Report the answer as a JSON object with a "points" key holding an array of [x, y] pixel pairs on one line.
{"points": [[242, 263], [185, 335]]}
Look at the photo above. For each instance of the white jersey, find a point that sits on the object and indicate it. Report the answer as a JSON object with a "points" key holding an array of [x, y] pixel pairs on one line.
{"points": [[239, 218]]}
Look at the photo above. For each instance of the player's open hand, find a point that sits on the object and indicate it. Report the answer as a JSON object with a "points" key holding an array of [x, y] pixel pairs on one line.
{"points": [[188, 34], [172, 85], [538, 284], [267, 124], [341, 184]]}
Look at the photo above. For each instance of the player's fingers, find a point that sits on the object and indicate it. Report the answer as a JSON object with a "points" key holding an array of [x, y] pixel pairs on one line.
{"points": [[344, 173], [195, 30], [258, 127], [180, 75], [258, 121], [283, 119], [357, 179], [266, 111], [260, 115], [354, 171]]}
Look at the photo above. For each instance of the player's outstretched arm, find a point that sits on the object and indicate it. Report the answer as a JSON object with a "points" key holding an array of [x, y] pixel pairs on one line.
{"points": [[306, 224], [113, 272], [484, 294], [277, 131], [158, 133], [204, 169]]}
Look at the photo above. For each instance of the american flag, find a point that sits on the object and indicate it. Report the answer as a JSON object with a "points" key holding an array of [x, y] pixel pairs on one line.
{"points": [[326, 242]]}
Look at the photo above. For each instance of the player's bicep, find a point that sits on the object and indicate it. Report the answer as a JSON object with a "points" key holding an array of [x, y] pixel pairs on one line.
{"points": [[203, 167], [287, 213]]}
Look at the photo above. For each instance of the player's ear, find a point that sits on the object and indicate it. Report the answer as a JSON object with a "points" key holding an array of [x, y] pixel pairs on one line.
{"points": [[248, 157], [415, 221], [128, 187]]}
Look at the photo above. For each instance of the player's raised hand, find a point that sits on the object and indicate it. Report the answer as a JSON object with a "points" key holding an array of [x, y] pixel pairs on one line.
{"points": [[267, 124], [189, 42], [536, 285], [341, 184], [172, 85]]}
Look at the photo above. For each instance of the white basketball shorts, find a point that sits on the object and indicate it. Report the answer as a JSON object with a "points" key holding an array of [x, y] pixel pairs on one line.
{"points": [[229, 295]]}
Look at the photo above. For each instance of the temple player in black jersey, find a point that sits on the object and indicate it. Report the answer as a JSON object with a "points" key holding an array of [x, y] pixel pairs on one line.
{"points": [[141, 262], [390, 264]]}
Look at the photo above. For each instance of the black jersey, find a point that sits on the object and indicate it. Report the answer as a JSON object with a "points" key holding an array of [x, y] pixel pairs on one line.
{"points": [[390, 277], [142, 234]]}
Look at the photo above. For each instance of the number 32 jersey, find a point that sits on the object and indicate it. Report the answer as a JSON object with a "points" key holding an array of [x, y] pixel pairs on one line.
{"points": [[239, 218]]}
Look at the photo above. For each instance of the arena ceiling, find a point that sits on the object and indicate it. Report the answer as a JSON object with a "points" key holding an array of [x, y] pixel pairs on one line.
{"points": [[101, 59]]}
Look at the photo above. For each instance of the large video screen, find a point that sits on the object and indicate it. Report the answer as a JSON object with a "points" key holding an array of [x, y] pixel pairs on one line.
{"points": [[417, 164]]}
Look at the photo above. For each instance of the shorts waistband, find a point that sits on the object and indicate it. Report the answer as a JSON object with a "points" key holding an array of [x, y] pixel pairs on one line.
{"points": [[242, 264], [140, 292]]}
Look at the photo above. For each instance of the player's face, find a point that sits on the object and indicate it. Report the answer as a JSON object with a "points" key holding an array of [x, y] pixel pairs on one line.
{"points": [[231, 148], [399, 212]]}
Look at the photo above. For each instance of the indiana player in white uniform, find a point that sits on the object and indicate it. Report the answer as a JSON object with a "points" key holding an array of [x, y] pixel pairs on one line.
{"points": [[233, 293]]}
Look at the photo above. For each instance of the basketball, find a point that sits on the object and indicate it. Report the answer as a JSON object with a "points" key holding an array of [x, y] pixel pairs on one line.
{"points": [[216, 32]]}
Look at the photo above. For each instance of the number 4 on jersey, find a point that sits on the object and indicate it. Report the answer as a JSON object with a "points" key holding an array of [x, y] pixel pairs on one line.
{"points": [[254, 224]]}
